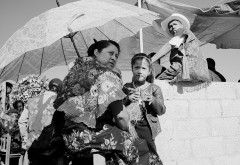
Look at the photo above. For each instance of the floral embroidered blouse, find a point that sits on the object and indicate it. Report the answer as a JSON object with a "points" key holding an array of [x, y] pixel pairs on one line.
{"points": [[87, 91]]}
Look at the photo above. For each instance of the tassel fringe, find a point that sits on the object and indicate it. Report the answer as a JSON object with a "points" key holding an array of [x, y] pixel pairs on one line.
{"points": [[132, 131]]}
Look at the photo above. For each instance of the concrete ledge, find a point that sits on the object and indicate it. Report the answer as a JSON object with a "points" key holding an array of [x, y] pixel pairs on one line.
{"points": [[200, 127]]}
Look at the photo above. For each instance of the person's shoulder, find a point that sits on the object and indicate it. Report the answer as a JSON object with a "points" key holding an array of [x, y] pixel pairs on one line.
{"points": [[85, 59], [82, 61], [154, 85], [107, 73], [187, 31], [190, 35]]}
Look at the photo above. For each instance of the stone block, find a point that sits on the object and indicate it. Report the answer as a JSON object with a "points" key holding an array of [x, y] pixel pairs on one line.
{"points": [[232, 145], [227, 160], [167, 90], [231, 108], [174, 149], [205, 108], [225, 126], [176, 109], [166, 126], [208, 147], [237, 85], [195, 162], [218, 90], [191, 129], [183, 91], [167, 162]]}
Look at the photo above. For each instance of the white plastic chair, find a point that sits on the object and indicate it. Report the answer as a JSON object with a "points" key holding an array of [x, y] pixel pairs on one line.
{"points": [[97, 158], [5, 143]]}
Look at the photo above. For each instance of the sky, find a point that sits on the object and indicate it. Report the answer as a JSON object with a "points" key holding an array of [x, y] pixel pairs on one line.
{"points": [[15, 13]]}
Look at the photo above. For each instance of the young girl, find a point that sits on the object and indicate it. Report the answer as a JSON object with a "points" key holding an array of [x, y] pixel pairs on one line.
{"points": [[145, 102]]}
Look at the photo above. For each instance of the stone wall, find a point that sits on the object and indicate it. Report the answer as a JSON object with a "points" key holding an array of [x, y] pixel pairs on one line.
{"points": [[201, 127]]}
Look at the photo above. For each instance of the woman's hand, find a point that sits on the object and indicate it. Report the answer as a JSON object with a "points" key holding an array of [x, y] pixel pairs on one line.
{"points": [[120, 114]]}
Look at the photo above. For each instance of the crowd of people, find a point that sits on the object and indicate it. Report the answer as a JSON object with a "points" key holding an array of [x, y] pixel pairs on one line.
{"points": [[92, 112]]}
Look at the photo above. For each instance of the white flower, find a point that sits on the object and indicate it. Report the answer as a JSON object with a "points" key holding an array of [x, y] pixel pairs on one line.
{"points": [[102, 99], [106, 142], [74, 143], [106, 85], [28, 87], [77, 101], [81, 135], [25, 93], [127, 143], [112, 93], [92, 73], [113, 143], [94, 91]]}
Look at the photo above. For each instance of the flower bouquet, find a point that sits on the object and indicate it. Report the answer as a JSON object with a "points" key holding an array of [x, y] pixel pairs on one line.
{"points": [[29, 87]]}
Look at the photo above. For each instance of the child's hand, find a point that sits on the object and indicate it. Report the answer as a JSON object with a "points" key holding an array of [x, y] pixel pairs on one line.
{"points": [[148, 98], [135, 96]]}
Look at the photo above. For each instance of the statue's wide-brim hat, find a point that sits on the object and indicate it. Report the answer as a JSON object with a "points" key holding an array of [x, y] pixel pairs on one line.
{"points": [[185, 22]]}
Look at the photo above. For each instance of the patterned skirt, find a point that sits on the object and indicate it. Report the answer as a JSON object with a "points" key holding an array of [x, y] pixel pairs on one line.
{"points": [[117, 146]]}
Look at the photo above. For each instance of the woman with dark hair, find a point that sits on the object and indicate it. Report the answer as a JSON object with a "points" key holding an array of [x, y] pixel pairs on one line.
{"points": [[9, 87], [19, 106], [9, 124], [91, 98], [215, 75]]}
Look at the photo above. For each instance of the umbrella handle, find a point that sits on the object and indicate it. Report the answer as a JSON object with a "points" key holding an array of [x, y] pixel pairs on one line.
{"points": [[58, 4], [71, 35], [75, 46]]}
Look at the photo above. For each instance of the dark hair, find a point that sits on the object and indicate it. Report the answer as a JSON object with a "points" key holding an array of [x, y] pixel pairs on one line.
{"points": [[172, 21], [8, 84], [100, 45], [16, 103], [152, 54], [55, 82], [141, 56], [211, 63]]}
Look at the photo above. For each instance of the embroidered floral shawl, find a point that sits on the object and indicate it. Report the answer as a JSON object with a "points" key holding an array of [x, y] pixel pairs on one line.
{"points": [[40, 111], [87, 91], [196, 64]]}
